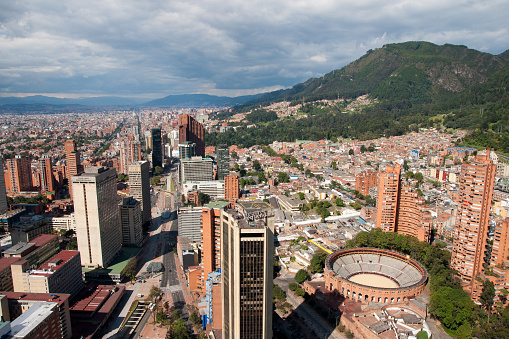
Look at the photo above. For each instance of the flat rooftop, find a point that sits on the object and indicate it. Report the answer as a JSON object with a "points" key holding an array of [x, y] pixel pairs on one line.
{"points": [[120, 262], [33, 317]]}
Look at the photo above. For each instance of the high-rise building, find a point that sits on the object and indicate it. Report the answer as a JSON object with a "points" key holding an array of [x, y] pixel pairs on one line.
{"points": [[157, 148], [400, 208], [196, 169], [131, 221], [136, 133], [47, 183], [471, 230], [3, 194], [247, 245], [192, 130], [139, 186], [387, 204], [20, 173], [130, 151], [97, 216], [73, 162], [231, 188], [211, 237], [223, 161], [187, 150], [365, 181]]}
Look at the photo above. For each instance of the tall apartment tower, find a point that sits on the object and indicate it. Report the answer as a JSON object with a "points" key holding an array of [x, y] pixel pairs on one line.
{"points": [[192, 130], [20, 173], [187, 150], [223, 161], [231, 188], [247, 245], [131, 221], [139, 186], [74, 166], [157, 148], [46, 170], [130, 151], [3, 194], [387, 204], [211, 237], [97, 216], [471, 229]]}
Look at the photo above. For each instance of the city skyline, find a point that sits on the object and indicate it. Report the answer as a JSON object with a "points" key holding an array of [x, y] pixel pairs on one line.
{"points": [[96, 49]]}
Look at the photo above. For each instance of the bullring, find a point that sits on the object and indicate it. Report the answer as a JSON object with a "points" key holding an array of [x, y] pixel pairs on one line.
{"points": [[374, 275]]}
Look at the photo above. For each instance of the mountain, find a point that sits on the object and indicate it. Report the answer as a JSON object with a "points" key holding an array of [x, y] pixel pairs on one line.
{"points": [[417, 84], [92, 101], [200, 100], [414, 72]]}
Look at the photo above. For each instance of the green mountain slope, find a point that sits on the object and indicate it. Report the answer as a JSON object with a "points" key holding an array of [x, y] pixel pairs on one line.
{"points": [[410, 72]]}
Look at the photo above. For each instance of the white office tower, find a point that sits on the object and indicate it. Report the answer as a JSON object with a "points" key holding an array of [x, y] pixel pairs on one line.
{"points": [[97, 216], [139, 186]]}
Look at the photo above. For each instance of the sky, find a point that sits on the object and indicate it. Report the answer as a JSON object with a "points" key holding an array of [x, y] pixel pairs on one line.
{"points": [[154, 48]]}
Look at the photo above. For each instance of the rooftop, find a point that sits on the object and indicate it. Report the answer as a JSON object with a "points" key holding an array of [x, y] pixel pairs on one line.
{"points": [[22, 296], [33, 317], [55, 263], [217, 205], [120, 262]]}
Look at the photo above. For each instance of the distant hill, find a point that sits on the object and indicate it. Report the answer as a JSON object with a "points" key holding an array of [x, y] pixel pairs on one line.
{"points": [[92, 101], [413, 72], [200, 100]]}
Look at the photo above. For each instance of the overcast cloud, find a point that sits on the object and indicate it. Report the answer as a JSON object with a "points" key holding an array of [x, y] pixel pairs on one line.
{"points": [[228, 47]]}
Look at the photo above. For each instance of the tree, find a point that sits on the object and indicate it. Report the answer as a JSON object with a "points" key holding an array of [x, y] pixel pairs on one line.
{"points": [[339, 202], [234, 155], [317, 263], [293, 286], [158, 170], [363, 149], [282, 177], [154, 181], [195, 319], [301, 196], [487, 295], [350, 151], [178, 330], [300, 292], [256, 166], [451, 306], [154, 292], [301, 276], [203, 198], [334, 165], [278, 293]]}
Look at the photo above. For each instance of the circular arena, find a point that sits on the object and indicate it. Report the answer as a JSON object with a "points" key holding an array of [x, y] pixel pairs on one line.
{"points": [[374, 275]]}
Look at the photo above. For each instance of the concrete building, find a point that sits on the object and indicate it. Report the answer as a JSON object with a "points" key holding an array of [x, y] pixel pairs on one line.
{"points": [[36, 251], [3, 193], [19, 171], [214, 300], [196, 169], [60, 274], [189, 223], [73, 162], [14, 304], [6, 274], [130, 151], [131, 221], [211, 237], [247, 249], [214, 188], [64, 222], [139, 186], [187, 150], [40, 321], [223, 161], [471, 230], [157, 148], [97, 217], [47, 182], [28, 228], [187, 253], [192, 130], [231, 188], [365, 181], [387, 203]]}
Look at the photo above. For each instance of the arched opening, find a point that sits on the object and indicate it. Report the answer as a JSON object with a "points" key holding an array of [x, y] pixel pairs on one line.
{"points": [[399, 299], [392, 300], [366, 298], [347, 293], [386, 299], [360, 296]]}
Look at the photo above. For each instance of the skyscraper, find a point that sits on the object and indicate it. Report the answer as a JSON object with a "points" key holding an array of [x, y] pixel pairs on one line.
{"points": [[387, 203], [74, 166], [247, 245], [471, 230], [187, 150], [3, 194], [97, 216], [223, 161], [131, 221], [130, 151], [157, 152], [192, 130], [139, 186], [365, 181], [20, 173], [46, 171], [211, 237]]}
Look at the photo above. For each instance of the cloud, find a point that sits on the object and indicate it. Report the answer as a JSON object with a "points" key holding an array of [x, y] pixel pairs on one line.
{"points": [[221, 47]]}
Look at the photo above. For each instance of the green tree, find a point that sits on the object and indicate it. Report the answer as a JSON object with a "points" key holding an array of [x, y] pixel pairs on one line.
{"points": [[363, 149], [203, 198], [234, 155], [300, 292], [278, 293], [451, 306], [351, 152], [339, 202], [317, 263], [487, 295], [301, 276], [282, 177], [194, 318], [256, 165], [158, 170], [301, 196], [293, 286], [334, 165]]}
